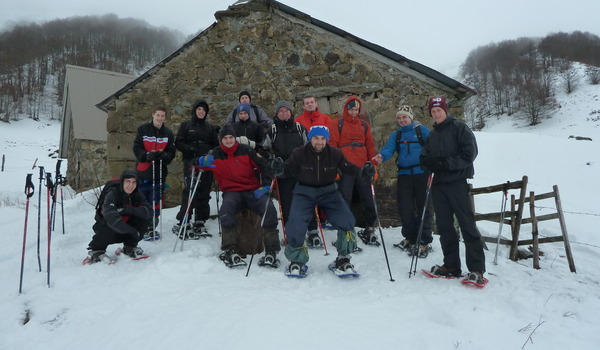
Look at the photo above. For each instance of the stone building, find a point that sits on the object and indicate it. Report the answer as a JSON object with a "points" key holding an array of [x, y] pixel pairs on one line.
{"points": [[276, 53], [83, 128]]}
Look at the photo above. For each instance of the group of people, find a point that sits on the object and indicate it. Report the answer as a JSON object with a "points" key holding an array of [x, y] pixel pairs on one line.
{"points": [[317, 165]]}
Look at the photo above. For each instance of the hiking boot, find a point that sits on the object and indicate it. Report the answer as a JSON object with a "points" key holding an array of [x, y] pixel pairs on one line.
{"points": [[422, 250], [199, 227], [342, 263], [475, 277], [404, 245], [297, 269], [270, 259], [97, 256], [368, 236], [444, 271], [134, 252], [151, 236], [313, 239]]}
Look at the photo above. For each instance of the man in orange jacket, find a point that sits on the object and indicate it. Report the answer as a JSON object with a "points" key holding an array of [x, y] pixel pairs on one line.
{"points": [[353, 136]]}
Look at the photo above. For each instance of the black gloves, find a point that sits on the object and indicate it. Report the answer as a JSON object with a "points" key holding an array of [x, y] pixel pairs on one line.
{"points": [[151, 156], [277, 166], [434, 164], [128, 210], [368, 170], [163, 155]]}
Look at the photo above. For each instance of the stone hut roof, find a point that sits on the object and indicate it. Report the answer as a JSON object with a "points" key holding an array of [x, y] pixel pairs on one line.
{"points": [[244, 8]]}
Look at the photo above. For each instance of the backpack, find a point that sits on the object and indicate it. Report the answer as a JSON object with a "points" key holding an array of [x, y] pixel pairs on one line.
{"points": [[341, 125], [110, 184], [274, 131], [420, 140]]}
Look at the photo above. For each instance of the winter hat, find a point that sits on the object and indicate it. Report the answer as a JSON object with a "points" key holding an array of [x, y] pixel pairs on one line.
{"points": [[353, 103], [438, 102], [199, 103], [319, 130], [226, 130], [245, 107], [283, 104], [244, 93], [406, 110]]}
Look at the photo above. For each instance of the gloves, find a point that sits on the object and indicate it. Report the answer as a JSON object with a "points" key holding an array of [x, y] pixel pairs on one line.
{"points": [[207, 161], [261, 191], [151, 156], [434, 164], [128, 210], [277, 166], [245, 141], [162, 155], [368, 170]]}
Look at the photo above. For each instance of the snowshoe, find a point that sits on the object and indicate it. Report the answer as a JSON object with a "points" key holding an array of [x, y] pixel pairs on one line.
{"points": [[405, 245], [200, 231], [443, 272], [313, 240], [296, 270], [232, 259], [151, 236], [135, 253], [342, 268], [269, 259], [368, 236], [422, 251], [475, 279], [95, 256]]}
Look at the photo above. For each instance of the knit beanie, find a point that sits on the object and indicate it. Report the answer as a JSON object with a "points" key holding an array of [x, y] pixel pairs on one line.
{"points": [[353, 103], [319, 130], [406, 110], [244, 93], [226, 130], [244, 107], [438, 102], [283, 104]]}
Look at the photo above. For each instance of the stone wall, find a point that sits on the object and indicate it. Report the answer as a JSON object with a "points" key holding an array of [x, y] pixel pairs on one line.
{"points": [[86, 164], [276, 57]]}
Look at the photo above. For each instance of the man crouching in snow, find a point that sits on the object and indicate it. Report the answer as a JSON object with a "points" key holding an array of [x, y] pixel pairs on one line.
{"points": [[234, 167], [123, 217], [316, 166]]}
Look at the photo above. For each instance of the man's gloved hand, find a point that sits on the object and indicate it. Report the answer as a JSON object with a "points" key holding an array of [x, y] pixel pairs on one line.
{"points": [[207, 161], [368, 170], [151, 156], [261, 191], [162, 155], [277, 166], [245, 141], [434, 164], [128, 210]]}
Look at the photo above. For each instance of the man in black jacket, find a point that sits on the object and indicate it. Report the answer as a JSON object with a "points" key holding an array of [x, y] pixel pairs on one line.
{"points": [[316, 166], [124, 215], [195, 138], [154, 145], [448, 153]]}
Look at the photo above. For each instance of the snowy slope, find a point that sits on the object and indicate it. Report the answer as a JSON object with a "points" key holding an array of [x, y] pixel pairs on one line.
{"points": [[190, 300]]}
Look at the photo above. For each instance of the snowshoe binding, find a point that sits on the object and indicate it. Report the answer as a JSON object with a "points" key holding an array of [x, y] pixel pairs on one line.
{"points": [[270, 260], [232, 259], [368, 236], [296, 270], [135, 253], [422, 250], [475, 279], [342, 268], [438, 271], [405, 245], [151, 236], [96, 256], [313, 240]]}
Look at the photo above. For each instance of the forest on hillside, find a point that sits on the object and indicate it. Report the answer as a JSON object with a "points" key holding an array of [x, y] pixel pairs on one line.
{"points": [[520, 77], [33, 57]]}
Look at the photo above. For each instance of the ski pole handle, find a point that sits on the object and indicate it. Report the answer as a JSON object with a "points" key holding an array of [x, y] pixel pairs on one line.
{"points": [[29, 188]]}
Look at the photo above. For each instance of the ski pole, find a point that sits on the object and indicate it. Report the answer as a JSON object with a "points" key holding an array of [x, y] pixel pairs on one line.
{"points": [[415, 257], [321, 229], [62, 203], [160, 200], [218, 217], [387, 261], [57, 179], [29, 189], [153, 198], [39, 226], [262, 221], [502, 214], [184, 221], [49, 185], [281, 212]]}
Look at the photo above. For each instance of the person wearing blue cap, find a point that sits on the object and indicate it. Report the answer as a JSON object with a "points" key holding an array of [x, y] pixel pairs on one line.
{"points": [[248, 131], [315, 166]]}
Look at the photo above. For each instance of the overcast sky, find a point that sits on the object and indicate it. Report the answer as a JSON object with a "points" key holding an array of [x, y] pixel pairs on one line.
{"points": [[436, 33]]}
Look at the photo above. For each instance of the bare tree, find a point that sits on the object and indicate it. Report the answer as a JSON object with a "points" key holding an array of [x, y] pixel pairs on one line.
{"points": [[592, 75]]}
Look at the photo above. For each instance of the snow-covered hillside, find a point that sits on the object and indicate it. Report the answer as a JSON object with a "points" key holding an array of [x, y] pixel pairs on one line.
{"points": [[190, 300]]}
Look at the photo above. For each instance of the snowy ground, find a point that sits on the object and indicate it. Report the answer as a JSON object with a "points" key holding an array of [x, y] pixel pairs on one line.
{"points": [[190, 300]]}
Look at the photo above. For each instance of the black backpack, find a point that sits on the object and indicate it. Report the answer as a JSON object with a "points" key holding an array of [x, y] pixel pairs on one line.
{"points": [[114, 183]]}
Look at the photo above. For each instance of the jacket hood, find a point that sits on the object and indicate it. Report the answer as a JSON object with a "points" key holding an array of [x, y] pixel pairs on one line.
{"points": [[352, 98], [199, 103]]}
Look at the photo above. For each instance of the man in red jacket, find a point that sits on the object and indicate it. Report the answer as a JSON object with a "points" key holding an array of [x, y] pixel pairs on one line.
{"points": [[353, 136], [233, 165]]}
